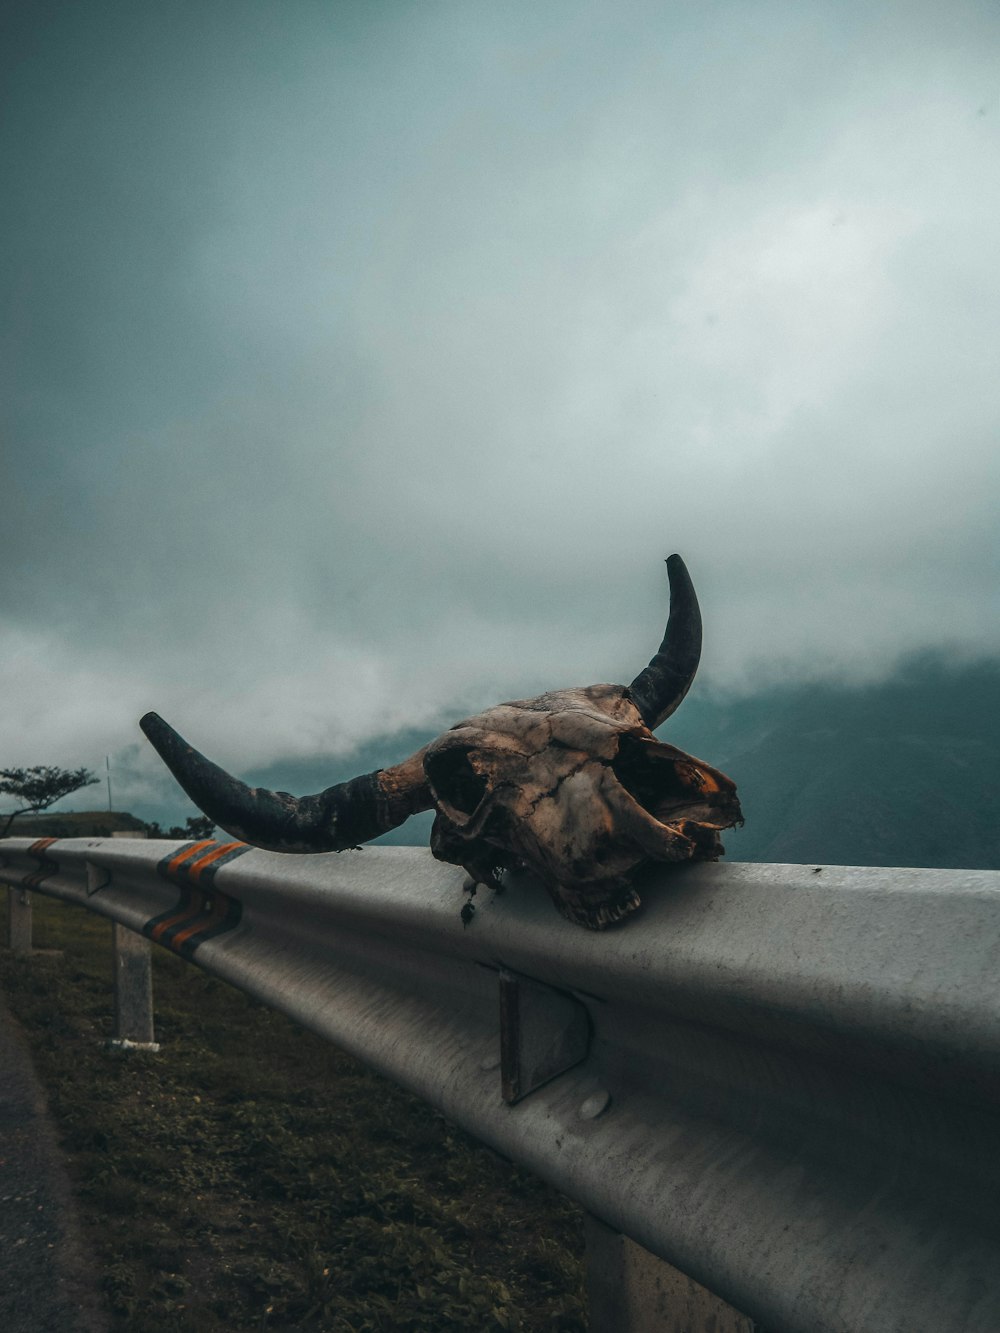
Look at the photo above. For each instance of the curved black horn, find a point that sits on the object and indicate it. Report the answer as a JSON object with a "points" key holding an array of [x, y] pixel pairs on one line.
{"points": [[342, 816], [660, 687]]}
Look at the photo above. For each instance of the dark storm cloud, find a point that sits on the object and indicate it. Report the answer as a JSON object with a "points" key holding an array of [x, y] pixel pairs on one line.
{"points": [[361, 363]]}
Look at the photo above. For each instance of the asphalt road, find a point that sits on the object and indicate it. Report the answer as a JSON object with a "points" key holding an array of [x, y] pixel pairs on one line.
{"points": [[48, 1281]]}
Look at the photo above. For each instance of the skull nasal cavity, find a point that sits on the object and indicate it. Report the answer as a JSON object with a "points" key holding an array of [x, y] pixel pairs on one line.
{"points": [[649, 775], [455, 780]]}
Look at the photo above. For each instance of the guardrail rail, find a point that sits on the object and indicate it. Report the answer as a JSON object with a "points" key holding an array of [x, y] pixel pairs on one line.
{"points": [[781, 1080]]}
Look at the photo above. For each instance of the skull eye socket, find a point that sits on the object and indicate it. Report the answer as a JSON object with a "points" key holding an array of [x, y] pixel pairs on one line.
{"points": [[455, 781]]}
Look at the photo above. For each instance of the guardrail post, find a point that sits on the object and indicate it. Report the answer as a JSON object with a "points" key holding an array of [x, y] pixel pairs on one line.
{"points": [[133, 990], [133, 982], [630, 1290], [19, 920]]}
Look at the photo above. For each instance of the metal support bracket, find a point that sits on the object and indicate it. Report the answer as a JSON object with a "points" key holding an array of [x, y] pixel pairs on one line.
{"points": [[543, 1032]]}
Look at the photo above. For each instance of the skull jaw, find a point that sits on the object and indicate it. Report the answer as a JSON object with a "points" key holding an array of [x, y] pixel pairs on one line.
{"points": [[590, 900], [595, 905]]}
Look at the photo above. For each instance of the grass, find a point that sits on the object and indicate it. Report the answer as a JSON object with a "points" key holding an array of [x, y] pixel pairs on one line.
{"points": [[252, 1177]]}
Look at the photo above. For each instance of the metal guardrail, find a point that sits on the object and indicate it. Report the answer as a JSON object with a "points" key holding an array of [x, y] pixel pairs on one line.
{"points": [[784, 1080]]}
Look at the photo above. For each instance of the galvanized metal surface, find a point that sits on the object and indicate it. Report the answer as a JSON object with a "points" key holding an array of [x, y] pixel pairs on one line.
{"points": [[791, 1086]]}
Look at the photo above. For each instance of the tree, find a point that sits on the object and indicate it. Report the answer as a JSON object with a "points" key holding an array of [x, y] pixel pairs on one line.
{"points": [[40, 787], [196, 828], [199, 827]]}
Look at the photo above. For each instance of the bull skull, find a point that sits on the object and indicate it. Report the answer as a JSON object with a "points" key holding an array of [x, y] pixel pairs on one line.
{"points": [[571, 785]]}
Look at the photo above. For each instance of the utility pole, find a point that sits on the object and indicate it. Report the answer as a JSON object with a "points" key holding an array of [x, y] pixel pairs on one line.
{"points": [[107, 765]]}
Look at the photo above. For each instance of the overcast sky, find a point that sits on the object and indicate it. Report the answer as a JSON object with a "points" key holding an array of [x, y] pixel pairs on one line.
{"points": [[362, 362]]}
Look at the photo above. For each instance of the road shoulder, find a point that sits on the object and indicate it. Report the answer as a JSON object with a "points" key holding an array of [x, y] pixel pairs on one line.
{"points": [[48, 1278]]}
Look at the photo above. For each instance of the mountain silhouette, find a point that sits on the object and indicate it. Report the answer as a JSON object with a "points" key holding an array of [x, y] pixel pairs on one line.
{"points": [[902, 773]]}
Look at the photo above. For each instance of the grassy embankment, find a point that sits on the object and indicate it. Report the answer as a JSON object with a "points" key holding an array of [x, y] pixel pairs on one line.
{"points": [[252, 1177]]}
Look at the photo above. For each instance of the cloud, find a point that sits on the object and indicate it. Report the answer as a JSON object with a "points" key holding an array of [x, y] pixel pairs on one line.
{"points": [[365, 365]]}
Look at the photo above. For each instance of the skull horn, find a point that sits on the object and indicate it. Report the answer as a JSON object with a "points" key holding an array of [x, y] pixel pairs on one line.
{"points": [[343, 816], [659, 688]]}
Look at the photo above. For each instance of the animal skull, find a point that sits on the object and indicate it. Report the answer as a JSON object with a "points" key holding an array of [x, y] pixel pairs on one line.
{"points": [[572, 785]]}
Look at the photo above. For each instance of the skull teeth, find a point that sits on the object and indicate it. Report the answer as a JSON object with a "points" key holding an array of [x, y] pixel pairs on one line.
{"points": [[597, 916]]}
